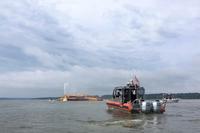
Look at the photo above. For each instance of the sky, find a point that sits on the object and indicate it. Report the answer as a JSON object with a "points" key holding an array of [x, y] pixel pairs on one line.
{"points": [[95, 45]]}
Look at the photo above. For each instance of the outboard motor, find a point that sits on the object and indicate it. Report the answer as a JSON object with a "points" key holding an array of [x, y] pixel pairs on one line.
{"points": [[157, 106], [136, 106], [147, 106]]}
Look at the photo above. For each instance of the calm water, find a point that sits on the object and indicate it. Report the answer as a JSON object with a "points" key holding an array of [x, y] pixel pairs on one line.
{"points": [[37, 116]]}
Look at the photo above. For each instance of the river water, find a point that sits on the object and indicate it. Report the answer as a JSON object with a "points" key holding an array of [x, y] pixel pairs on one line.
{"points": [[40, 116]]}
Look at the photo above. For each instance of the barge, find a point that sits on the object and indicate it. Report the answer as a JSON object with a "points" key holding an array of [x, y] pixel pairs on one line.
{"points": [[80, 98]]}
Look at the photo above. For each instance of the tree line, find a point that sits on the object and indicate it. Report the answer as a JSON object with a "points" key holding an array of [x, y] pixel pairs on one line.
{"points": [[160, 96]]}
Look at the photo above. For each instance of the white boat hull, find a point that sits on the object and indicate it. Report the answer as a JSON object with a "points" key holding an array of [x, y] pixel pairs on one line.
{"points": [[171, 100]]}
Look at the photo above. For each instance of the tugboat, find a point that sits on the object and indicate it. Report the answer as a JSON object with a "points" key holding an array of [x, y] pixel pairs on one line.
{"points": [[130, 98]]}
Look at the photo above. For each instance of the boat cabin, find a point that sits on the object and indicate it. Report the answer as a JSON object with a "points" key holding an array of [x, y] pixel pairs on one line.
{"points": [[127, 93]]}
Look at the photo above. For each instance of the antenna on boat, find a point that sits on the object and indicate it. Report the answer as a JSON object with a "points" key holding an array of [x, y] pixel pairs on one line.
{"points": [[65, 84]]}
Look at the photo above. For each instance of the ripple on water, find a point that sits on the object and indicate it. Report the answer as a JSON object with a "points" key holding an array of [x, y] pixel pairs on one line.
{"points": [[174, 115], [124, 123], [194, 120], [25, 127]]}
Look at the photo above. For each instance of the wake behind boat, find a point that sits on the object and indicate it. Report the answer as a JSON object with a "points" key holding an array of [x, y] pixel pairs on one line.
{"points": [[130, 98]]}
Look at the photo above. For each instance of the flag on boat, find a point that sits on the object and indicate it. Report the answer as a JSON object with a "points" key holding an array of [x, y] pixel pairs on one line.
{"points": [[135, 81]]}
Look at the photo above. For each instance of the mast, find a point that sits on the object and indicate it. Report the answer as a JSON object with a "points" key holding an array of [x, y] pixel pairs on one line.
{"points": [[65, 84]]}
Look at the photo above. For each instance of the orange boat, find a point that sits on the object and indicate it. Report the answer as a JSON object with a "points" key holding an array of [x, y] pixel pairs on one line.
{"points": [[130, 98], [122, 106]]}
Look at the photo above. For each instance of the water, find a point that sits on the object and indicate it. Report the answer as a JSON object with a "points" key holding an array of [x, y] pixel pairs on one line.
{"points": [[37, 116]]}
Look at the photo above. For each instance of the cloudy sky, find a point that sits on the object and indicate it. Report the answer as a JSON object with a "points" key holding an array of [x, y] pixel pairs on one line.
{"points": [[95, 45]]}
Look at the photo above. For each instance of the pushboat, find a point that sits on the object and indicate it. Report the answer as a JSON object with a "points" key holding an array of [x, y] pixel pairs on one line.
{"points": [[130, 98]]}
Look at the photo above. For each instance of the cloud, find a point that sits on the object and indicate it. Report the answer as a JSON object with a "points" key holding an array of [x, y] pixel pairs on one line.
{"points": [[85, 80], [94, 80], [102, 42]]}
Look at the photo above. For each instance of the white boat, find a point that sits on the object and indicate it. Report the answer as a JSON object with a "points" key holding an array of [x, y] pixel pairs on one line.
{"points": [[168, 98], [173, 100]]}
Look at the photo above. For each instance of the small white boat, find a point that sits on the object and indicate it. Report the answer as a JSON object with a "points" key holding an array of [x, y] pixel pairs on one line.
{"points": [[168, 98], [173, 100]]}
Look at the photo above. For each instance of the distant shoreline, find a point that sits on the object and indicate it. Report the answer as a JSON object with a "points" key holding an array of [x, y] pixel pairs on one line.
{"points": [[39, 98], [147, 96], [160, 95]]}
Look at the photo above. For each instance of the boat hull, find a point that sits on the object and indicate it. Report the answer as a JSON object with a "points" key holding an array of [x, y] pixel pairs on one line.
{"points": [[131, 108], [127, 107]]}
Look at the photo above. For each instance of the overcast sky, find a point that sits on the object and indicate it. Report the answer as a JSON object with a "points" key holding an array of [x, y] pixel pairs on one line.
{"points": [[95, 45]]}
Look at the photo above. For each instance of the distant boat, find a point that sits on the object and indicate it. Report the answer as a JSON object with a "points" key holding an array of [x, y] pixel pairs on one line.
{"points": [[169, 98], [51, 100], [173, 100]]}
